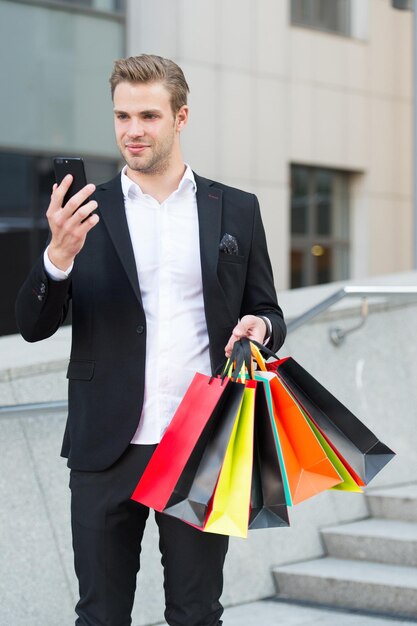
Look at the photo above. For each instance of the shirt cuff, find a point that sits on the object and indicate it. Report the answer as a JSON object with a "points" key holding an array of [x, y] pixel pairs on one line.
{"points": [[54, 272], [269, 329]]}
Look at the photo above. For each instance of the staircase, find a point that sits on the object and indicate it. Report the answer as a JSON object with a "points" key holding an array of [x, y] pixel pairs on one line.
{"points": [[371, 565]]}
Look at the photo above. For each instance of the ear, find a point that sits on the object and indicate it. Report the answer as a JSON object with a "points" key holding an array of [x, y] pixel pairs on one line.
{"points": [[181, 117]]}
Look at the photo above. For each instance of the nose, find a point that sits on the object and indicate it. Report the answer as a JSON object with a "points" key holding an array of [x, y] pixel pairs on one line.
{"points": [[135, 129]]}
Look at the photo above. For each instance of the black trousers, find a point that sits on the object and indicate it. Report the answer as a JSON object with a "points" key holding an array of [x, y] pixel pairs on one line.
{"points": [[107, 530]]}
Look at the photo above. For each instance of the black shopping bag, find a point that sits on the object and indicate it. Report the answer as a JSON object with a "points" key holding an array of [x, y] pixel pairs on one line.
{"points": [[350, 438], [268, 503]]}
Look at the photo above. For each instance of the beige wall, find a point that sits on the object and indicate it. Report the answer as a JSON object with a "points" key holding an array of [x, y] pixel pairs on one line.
{"points": [[265, 94]]}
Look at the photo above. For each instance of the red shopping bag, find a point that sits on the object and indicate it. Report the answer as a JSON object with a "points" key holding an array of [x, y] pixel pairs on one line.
{"points": [[203, 401], [191, 497]]}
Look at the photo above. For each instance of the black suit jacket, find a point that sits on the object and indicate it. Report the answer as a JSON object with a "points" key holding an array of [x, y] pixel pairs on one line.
{"points": [[107, 363]]}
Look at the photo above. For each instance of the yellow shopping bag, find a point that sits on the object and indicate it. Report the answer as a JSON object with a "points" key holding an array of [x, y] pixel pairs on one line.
{"points": [[229, 514], [348, 482]]}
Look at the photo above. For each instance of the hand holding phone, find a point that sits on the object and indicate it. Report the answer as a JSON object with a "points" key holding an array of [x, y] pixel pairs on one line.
{"points": [[70, 212], [75, 167]]}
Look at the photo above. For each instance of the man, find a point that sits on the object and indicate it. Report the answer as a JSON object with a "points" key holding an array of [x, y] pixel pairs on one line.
{"points": [[165, 274]]}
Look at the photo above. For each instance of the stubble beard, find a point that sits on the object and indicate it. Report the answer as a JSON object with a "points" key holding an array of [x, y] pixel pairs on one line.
{"points": [[157, 164]]}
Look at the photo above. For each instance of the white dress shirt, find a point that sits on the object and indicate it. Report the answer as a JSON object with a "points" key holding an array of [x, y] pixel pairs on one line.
{"points": [[166, 246], [165, 240]]}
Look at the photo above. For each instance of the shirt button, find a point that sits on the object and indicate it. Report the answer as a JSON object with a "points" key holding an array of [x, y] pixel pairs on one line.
{"points": [[140, 329]]}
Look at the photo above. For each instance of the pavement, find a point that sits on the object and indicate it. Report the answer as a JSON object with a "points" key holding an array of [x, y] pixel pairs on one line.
{"points": [[281, 613]]}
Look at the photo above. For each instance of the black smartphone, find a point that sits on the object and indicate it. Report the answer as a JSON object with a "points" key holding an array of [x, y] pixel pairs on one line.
{"points": [[75, 167]]}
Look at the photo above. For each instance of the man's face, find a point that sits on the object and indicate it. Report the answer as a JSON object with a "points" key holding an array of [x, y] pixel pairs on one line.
{"points": [[147, 131]]}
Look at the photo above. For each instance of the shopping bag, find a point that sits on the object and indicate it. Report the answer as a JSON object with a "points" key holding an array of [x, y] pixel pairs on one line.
{"points": [[192, 494], [203, 402], [268, 505], [348, 481], [308, 468], [362, 453], [229, 511]]}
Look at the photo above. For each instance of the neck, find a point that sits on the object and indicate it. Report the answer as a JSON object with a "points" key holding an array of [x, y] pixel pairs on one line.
{"points": [[159, 185]]}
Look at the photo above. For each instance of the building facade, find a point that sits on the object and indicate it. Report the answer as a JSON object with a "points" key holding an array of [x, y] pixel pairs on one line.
{"points": [[307, 103]]}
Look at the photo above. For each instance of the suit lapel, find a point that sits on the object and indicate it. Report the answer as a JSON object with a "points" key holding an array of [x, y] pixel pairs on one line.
{"points": [[209, 205], [111, 209]]}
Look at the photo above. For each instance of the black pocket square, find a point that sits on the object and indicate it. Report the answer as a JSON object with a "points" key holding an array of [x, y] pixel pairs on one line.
{"points": [[229, 245]]}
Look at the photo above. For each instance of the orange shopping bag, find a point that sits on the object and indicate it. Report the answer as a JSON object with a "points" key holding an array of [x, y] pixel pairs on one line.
{"points": [[308, 468]]}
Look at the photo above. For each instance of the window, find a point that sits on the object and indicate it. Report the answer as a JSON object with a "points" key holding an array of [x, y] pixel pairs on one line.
{"points": [[112, 6], [25, 184], [54, 66], [345, 17], [319, 226]]}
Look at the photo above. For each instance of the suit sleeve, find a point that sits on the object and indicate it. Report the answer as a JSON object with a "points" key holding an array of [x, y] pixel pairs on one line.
{"points": [[42, 304], [260, 296]]}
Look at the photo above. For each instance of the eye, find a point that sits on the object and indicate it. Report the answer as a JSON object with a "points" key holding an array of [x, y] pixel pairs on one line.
{"points": [[121, 116]]}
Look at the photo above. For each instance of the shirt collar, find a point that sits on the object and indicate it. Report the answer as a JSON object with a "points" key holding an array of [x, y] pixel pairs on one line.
{"points": [[131, 189]]}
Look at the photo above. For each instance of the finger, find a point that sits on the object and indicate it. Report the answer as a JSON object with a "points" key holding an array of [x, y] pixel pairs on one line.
{"points": [[83, 212], [91, 221], [248, 322], [58, 193], [83, 228], [252, 327], [239, 331], [229, 346], [257, 335], [75, 202]]}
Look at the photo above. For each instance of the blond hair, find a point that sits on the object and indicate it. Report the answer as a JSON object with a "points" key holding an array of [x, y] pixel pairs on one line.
{"points": [[148, 68]]}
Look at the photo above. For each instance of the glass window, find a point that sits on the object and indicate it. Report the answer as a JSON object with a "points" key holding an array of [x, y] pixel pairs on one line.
{"points": [[323, 202], [346, 17], [25, 189], [299, 201], [55, 89], [55, 101], [330, 15], [116, 6], [319, 225]]}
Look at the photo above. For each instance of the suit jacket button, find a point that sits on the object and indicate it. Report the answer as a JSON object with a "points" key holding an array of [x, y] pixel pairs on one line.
{"points": [[40, 298], [140, 329], [42, 288]]}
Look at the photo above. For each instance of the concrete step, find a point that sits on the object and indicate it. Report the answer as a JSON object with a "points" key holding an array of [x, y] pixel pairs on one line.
{"points": [[380, 540], [283, 613], [358, 585], [394, 503]]}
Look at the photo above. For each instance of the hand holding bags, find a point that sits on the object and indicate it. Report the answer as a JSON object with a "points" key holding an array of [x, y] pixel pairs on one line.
{"points": [[242, 447], [219, 479]]}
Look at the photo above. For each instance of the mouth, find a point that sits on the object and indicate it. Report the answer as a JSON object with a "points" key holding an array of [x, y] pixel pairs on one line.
{"points": [[136, 148]]}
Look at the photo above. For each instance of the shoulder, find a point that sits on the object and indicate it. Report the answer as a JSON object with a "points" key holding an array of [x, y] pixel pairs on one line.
{"points": [[109, 191], [112, 184], [232, 194]]}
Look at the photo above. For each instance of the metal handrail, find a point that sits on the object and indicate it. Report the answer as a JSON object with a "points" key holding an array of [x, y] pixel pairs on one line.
{"points": [[348, 292], [345, 292], [17, 410]]}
